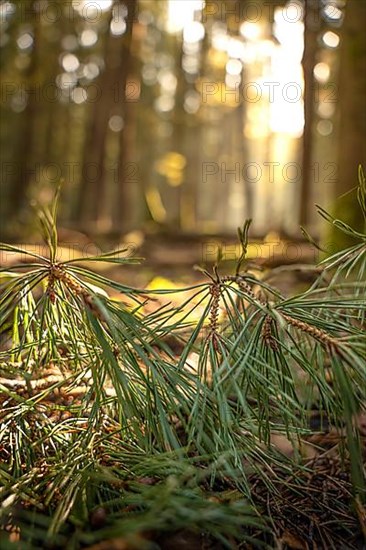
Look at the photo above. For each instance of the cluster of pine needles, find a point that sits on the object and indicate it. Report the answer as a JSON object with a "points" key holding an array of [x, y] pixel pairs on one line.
{"points": [[110, 439]]}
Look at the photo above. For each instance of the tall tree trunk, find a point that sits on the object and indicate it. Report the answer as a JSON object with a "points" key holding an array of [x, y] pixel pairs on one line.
{"points": [[352, 149], [92, 191], [25, 150], [311, 30], [121, 206], [92, 204]]}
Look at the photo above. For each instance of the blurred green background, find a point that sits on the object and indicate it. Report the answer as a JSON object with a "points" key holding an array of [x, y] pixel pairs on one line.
{"points": [[181, 116]]}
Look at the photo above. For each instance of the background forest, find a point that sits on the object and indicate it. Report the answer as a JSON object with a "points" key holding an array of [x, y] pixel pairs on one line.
{"points": [[152, 406], [183, 115]]}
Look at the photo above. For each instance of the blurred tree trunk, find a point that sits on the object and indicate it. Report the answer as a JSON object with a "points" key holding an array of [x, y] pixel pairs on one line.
{"points": [[122, 204], [93, 205], [352, 150], [174, 195], [92, 191], [311, 30], [25, 148]]}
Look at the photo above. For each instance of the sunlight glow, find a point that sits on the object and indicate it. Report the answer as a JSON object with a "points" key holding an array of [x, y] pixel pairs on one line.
{"points": [[235, 48], [79, 95], [164, 103], [332, 12], [181, 13], [66, 80], [116, 123], [233, 81], [193, 32], [331, 39], [190, 64], [149, 74], [322, 72], [234, 67], [287, 107], [275, 95], [220, 41], [88, 38], [220, 37], [70, 62], [289, 33], [25, 41], [91, 71], [192, 102], [167, 80], [325, 109], [325, 127], [172, 165], [118, 27], [250, 31]]}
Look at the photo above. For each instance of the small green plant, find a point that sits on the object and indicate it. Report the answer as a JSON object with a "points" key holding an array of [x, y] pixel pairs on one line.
{"points": [[101, 419]]}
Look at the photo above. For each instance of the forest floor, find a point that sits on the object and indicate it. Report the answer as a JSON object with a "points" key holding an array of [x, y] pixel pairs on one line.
{"points": [[311, 511]]}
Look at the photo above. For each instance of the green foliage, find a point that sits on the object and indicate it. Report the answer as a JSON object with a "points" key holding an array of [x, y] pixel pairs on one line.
{"points": [[124, 426], [340, 234]]}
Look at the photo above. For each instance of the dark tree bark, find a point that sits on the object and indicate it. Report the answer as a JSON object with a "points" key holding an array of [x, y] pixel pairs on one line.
{"points": [[352, 89], [92, 191], [311, 30], [25, 148], [122, 205], [92, 203]]}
